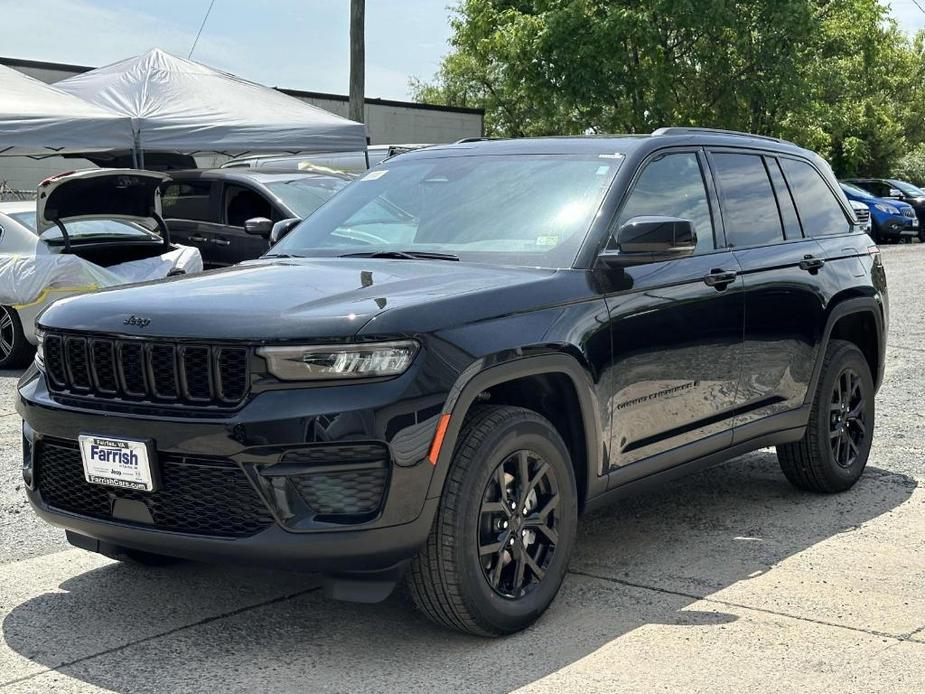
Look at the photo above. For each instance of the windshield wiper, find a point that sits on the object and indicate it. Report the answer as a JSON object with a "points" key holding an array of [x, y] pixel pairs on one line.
{"points": [[282, 255], [405, 255]]}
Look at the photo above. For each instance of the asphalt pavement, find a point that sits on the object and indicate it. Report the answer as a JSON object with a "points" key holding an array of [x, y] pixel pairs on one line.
{"points": [[727, 581]]}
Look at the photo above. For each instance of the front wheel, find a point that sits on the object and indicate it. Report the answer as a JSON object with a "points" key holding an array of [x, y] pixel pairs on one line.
{"points": [[833, 452], [501, 541]]}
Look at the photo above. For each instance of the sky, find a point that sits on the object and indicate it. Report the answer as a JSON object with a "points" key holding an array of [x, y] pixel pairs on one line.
{"points": [[297, 44]]}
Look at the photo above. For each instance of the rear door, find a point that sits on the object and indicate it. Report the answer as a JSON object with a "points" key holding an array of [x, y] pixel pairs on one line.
{"points": [[240, 203], [190, 208], [783, 272]]}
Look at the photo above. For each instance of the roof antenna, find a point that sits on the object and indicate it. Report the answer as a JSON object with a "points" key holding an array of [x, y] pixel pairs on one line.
{"points": [[199, 33]]}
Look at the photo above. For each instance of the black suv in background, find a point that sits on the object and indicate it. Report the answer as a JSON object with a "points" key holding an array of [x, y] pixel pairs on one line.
{"points": [[897, 190], [229, 214], [435, 373]]}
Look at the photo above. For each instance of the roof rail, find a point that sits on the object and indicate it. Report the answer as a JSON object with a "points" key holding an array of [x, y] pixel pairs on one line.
{"points": [[477, 139], [715, 131]]}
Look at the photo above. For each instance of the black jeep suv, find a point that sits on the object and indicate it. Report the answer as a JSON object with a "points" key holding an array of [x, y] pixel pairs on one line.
{"points": [[434, 374]]}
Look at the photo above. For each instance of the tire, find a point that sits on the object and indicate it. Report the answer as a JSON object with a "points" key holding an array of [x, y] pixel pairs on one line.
{"points": [[833, 452], [466, 577], [15, 350]]}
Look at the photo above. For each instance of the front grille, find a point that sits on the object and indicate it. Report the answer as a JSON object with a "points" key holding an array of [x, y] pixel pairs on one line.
{"points": [[343, 483], [862, 215], [908, 212], [196, 496], [147, 371]]}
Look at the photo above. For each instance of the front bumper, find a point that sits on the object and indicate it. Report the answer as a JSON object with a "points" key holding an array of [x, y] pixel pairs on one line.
{"points": [[254, 443]]}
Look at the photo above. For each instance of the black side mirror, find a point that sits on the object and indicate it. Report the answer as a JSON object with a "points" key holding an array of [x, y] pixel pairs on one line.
{"points": [[281, 228], [258, 226], [651, 240]]}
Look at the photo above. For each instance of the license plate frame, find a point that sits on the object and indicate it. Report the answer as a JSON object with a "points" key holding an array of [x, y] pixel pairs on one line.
{"points": [[123, 463]]}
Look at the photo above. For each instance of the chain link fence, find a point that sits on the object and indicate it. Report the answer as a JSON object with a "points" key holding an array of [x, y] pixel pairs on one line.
{"points": [[8, 193]]}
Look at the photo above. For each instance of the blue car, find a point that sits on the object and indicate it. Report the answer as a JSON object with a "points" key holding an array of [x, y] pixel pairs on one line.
{"points": [[890, 220]]}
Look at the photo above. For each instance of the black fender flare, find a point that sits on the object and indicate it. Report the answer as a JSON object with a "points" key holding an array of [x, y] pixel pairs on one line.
{"points": [[478, 378], [866, 304]]}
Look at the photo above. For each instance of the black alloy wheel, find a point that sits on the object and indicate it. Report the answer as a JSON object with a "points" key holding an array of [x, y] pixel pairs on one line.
{"points": [[517, 533], [836, 443], [847, 426]]}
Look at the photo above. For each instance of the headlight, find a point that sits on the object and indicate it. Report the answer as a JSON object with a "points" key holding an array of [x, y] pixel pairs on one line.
{"points": [[330, 362], [40, 348], [888, 209]]}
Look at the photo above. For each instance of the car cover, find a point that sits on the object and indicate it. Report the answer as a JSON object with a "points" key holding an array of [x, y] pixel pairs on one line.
{"points": [[30, 279]]}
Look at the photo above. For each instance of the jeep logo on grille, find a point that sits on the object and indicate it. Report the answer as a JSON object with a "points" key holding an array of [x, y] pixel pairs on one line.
{"points": [[137, 322]]}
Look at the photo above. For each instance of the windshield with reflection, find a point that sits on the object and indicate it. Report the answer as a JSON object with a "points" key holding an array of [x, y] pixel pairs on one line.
{"points": [[909, 189], [529, 210], [305, 195]]}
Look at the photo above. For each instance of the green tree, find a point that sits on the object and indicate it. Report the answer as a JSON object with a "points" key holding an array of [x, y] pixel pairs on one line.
{"points": [[833, 75]]}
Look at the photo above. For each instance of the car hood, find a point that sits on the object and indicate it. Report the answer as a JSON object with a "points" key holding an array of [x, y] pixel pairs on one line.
{"points": [[128, 195], [314, 299]]}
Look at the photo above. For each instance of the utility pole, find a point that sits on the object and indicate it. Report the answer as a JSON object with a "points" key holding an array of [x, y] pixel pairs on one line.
{"points": [[357, 59]]}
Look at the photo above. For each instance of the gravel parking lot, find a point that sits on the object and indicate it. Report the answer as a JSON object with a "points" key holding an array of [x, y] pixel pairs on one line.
{"points": [[730, 580]]}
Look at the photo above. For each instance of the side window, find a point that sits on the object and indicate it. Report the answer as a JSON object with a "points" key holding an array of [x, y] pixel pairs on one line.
{"points": [[187, 201], [243, 203], [785, 204], [673, 186], [819, 209], [749, 207]]}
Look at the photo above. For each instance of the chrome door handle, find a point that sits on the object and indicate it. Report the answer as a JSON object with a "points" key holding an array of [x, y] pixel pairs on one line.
{"points": [[720, 279], [221, 242], [198, 239], [811, 263]]}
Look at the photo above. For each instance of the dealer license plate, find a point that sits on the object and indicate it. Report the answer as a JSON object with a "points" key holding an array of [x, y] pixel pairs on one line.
{"points": [[117, 462]]}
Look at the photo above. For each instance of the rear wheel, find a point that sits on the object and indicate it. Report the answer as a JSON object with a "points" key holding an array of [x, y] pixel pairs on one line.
{"points": [[15, 350], [501, 541], [833, 452]]}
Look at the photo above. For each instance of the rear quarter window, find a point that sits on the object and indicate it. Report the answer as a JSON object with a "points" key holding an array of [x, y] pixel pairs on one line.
{"points": [[187, 200], [819, 209]]}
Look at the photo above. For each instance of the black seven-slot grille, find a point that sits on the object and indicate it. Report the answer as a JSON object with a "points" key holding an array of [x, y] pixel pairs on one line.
{"points": [[140, 370], [197, 496]]}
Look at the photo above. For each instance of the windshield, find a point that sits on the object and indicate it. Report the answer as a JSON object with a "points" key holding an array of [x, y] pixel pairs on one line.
{"points": [[531, 210], [854, 190], [89, 229], [908, 189], [305, 195]]}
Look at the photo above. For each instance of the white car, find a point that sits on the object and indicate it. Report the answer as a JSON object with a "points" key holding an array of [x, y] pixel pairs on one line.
{"points": [[86, 230], [862, 212]]}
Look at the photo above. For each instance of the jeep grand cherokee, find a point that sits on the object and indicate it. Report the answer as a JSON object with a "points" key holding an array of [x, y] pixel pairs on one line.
{"points": [[433, 375]]}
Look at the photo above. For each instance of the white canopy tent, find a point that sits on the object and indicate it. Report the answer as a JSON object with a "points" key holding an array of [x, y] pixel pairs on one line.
{"points": [[180, 105], [38, 120]]}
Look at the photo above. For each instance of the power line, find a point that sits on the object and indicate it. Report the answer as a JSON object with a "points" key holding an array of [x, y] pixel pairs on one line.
{"points": [[201, 26], [916, 3]]}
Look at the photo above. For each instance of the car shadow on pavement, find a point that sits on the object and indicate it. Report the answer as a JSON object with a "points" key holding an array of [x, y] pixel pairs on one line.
{"points": [[646, 561]]}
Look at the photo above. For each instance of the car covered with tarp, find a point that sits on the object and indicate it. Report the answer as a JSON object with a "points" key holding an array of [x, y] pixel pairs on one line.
{"points": [[86, 230]]}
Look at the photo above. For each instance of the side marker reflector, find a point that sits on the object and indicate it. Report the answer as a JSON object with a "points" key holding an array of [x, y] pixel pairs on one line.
{"points": [[438, 439]]}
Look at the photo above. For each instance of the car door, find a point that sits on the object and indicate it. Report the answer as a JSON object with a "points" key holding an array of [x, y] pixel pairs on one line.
{"points": [[190, 209], [782, 270], [676, 329], [240, 203]]}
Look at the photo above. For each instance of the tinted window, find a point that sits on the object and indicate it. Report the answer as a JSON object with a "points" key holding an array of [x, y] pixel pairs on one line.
{"points": [[907, 188], [819, 209], [242, 204], [749, 207], [672, 186], [788, 213], [187, 201]]}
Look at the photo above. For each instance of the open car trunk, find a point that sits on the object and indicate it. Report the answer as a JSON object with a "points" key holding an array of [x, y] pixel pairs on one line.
{"points": [[67, 263]]}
